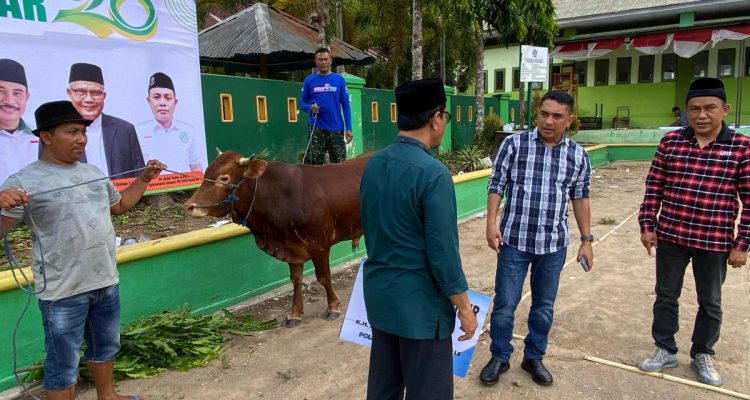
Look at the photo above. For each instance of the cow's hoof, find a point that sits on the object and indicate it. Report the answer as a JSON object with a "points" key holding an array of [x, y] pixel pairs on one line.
{"points": [[291, 323], [331, 315]]}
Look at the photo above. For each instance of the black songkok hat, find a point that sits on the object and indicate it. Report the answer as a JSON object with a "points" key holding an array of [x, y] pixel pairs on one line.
{"points": [[160, 80], [12, 71], [419, 96], [54, 113], [86, 72], [706, 87]]}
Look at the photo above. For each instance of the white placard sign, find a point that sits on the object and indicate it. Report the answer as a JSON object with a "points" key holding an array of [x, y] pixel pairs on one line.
{"points": [[356, 327], [534, 63]]}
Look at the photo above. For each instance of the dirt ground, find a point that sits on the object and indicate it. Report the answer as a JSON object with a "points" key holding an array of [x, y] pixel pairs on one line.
{"points": [[605, 313]]}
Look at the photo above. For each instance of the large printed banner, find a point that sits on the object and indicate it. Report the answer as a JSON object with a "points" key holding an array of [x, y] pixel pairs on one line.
{"points": [[131, 66], [356, 327]]}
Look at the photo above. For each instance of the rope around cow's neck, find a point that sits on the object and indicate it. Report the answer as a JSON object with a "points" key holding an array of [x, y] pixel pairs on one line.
{"points": [[228, 201]]}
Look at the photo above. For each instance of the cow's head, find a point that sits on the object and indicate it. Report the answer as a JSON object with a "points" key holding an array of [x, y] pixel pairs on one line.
{"points": [[225, 172]]}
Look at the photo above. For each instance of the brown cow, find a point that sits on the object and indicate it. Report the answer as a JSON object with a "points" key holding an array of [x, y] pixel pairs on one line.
{"points": [[295, 212]]}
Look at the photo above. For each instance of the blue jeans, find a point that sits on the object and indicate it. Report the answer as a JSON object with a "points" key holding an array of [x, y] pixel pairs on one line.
{"points": [[93, 316], [512, 266]]}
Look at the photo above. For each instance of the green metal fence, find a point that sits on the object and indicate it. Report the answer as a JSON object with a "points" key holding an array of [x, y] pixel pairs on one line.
{"points": [[378, 118]]}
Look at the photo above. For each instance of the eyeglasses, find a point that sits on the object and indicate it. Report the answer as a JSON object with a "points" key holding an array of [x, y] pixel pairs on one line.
{"points": [[447, 116], [81, 93]]}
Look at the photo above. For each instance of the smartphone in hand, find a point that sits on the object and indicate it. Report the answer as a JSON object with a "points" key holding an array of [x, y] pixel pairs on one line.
{"points": [[584, 264]]}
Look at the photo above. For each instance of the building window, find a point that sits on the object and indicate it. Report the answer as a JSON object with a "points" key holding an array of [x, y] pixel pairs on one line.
{"points": [[500, 80], [484, 82], [458, 114], [516, 78], [262, 107], [227, 114], [291, 108], [601, 72], [374, 111], [394, 112], [623, 69], [700, 64], [646, 69], [668, 67], [580, 68], [471, 113], [726, 63]]}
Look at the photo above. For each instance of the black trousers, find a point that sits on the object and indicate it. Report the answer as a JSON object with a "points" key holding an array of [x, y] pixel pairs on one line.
{"points": [[709, 271], [424, 368]]}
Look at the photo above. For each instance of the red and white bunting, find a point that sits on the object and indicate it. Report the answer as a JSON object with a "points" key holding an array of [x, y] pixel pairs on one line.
{"points": [[730, 33], [586, 50], [571, 51], [685, 43], [690, 43], [655, 43]]}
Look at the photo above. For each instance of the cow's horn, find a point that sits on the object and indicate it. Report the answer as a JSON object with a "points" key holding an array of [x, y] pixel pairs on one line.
{"points": [[218, 151], [244, 161]]}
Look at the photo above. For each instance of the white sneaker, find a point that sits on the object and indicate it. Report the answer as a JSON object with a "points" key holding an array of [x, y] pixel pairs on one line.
{"points": [[658, 361], [705, 367]]}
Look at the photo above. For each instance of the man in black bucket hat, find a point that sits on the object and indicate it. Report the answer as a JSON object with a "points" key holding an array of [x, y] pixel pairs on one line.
{"points": [[68, 204], [18, 147], [697, 176]]}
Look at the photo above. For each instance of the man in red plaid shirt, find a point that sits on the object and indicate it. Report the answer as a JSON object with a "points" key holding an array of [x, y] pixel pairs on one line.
{"points": [[695, 179]]}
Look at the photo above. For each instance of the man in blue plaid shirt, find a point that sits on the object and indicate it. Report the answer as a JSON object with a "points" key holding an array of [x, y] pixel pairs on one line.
{"points": [[537, 172]]}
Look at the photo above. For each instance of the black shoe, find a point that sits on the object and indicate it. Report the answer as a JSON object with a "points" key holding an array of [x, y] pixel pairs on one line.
{"points": [[491, 372], [538, 372]]}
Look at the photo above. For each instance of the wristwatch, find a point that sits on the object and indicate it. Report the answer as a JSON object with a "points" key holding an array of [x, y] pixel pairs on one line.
{"points": [[587, 238]]}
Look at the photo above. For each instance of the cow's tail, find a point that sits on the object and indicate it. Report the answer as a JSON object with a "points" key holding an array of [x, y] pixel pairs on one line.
{"points": [[355, 244]]}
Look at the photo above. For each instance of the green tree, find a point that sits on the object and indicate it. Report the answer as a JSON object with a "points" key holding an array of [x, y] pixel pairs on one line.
{"points": [[515, 21]]}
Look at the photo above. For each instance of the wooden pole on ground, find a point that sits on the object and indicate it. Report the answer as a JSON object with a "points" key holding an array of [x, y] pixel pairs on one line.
{"points": [[669, 377]]}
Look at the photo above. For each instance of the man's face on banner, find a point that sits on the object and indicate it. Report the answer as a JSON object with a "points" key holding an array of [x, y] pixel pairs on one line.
{"points": [[162, 102], [13, 98], [88, 98]]}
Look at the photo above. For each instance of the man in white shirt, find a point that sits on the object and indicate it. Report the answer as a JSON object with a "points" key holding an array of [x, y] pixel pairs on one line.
{"points": [[18, 146], [165, 138], [112, 142]]}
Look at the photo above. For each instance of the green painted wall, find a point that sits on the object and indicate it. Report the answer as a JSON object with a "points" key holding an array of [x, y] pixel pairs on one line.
{"points": [[462, 128], [501, 58], [730, 85], [354, 85], [245, 134], [377, 135], [650, 103], [615, 136]]}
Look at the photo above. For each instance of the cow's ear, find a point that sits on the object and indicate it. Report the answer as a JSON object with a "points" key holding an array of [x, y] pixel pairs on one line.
{"points": [[255, 169]]}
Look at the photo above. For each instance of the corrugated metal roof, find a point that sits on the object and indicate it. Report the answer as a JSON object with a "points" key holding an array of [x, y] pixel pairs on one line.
{"points": [[287, 42], [584, 8]]}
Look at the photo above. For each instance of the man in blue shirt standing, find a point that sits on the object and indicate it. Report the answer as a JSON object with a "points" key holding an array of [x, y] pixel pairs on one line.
{"points": [[537, 172], [413, 276], [324, 98]]}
